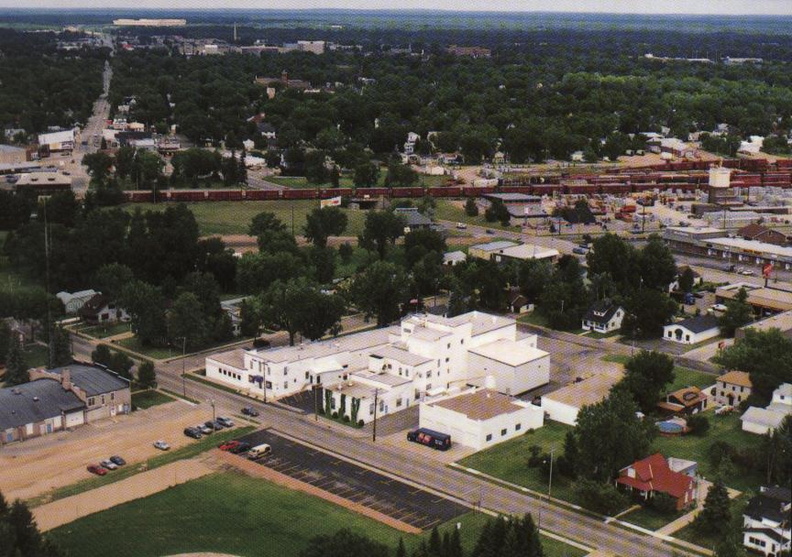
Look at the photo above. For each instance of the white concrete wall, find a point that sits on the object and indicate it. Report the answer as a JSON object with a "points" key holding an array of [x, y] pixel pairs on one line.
{"points": [[474, 433], [688, 337], [559, 411], [75, 418], [511, 380], [752, 427]]}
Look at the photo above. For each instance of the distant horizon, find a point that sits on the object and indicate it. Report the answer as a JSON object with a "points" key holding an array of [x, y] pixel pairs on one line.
{"points": [[755, 8]]}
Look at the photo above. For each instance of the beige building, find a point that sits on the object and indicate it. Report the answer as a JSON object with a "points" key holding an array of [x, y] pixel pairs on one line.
{"points": [[732, 388]]}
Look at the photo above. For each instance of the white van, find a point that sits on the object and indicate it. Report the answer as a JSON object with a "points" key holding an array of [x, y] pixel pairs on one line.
{"points": [[258, 451]]}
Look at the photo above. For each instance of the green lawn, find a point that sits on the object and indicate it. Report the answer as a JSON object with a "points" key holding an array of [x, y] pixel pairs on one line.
{"points": [[300, 182], [454, 211], [147, 399], [533, 318], [722, 428], [649, 518], [708, 540], [152, 352], [686, 377], [596, 335], [104, 331], [233, 217], [615, 358], [236, 514], [508, 460]]}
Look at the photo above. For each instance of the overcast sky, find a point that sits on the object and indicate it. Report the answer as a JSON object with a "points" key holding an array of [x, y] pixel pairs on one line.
{"points": [[734, 7]]}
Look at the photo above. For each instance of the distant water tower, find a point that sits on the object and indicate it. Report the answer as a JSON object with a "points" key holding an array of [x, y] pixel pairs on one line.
{"points": [[719, 182]]}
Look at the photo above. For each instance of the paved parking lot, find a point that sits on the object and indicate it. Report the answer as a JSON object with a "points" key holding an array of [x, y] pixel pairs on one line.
{"points": [[396, 499]]}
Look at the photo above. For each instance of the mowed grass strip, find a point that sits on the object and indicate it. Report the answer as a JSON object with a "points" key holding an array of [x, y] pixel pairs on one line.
{"points": [[233, 217], [123, 472], [146, 399], [236, 514]]}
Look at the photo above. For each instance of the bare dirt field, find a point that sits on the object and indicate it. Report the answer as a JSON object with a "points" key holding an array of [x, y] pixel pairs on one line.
{"points": [[34, 467]]}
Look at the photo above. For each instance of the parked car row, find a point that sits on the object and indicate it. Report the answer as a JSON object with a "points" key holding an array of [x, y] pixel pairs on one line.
{"points": [[102, 468], [208, 427]]}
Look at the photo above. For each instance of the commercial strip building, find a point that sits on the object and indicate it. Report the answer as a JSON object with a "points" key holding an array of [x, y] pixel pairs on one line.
{"points": [[504, 250], [715, 243], [426, 356], [765, 301], [60, 398]]}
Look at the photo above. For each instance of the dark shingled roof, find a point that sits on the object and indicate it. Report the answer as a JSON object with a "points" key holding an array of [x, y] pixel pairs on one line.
{"points": [[770, 504], [18, 405], [699, 323], [94, 380], [601, 311]]}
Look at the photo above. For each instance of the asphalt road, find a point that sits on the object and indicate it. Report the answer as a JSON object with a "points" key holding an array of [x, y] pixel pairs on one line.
{"points": [[421, 472]]}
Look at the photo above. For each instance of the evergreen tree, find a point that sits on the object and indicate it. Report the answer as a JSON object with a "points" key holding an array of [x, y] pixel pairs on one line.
{"points": [[147, 376], [471, 209], [435, 542], [16, 366], [400, 550], [454, 548], [60, 348], [716, 514]]}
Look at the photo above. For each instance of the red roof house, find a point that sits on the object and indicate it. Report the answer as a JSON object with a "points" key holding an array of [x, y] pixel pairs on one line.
{"points": [[654, 475]]}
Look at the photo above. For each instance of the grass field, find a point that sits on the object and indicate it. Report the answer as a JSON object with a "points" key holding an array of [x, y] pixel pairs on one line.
{"points": [[454, 211], [104, 331], [235, 514], [533, 318], [147, 399], [233, 217], [300, 182], [508, 460], [152, 352], [649, 518], [722, 428], [686, 377]]}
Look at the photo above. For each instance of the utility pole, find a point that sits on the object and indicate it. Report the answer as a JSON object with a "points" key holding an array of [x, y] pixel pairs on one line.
{"points": [[316, 402], [550, 480], [376, 400]]}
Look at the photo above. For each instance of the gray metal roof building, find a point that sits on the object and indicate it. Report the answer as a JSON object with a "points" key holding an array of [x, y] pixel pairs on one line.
{"points": [[35, 402]]}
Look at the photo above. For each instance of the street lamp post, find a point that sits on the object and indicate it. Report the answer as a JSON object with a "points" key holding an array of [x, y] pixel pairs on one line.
{"points": [[184, 358], [376, 399], [214, 413]]}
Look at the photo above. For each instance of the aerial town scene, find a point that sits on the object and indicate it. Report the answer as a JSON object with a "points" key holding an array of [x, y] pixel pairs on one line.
{"points": [[396, 279]]}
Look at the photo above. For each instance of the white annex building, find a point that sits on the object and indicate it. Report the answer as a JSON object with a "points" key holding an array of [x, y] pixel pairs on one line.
{"points": [[481, 418], [425, 356]]}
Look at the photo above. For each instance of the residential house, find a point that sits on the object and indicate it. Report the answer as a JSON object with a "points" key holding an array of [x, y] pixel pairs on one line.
{"points": [[101, 310], [72, 302], [766, 521], [61, 398], [654, 475], [452, 258], [765, 420], [433, 353], [413, 219], [516, 302], [692, 330], [759, 233], [732, 388], [688, 400], [603, 316], [480, 418]]}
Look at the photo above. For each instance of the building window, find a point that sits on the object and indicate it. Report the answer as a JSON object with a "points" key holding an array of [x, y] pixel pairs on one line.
{"points": [[429, 373], [112, 396], [489, 437], [503, 432], [446, 360], [91, 401], [306, 375], [517, 427], [449, 345], [285, 384]]}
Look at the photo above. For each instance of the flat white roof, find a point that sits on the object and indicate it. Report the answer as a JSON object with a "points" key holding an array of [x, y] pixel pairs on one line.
{"points": [[400, 355], [510, 352], [56, 137], [320, 349], [589, 391], [760, 248], [529, 251], [763, 416], [494, 246]]}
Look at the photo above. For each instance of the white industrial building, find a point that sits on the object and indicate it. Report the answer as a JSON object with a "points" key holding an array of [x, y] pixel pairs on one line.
{"points": [[425, 356], [481, 418], [57, 141], [564, 404]]}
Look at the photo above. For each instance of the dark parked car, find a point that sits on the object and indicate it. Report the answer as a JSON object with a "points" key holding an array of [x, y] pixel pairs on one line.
{"points": [[192, 432], [96, 469], [241, 448], [117, 460], [250, 411], [226, 422], [214, 426]]}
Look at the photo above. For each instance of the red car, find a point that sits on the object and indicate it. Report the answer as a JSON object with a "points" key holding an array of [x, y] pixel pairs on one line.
{"points": [[228, 445], [96, 469]]}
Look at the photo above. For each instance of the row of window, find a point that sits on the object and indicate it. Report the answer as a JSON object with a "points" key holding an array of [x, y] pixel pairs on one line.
{"points": [[504, 432], [231, 374]]}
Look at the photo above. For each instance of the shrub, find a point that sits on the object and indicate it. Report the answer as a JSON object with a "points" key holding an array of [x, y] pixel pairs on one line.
{"points": [[346, 418], [698, 424], [361, 423], [536, 456], [261, 343], [664, 503], [335, 415], [603, 498]]}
